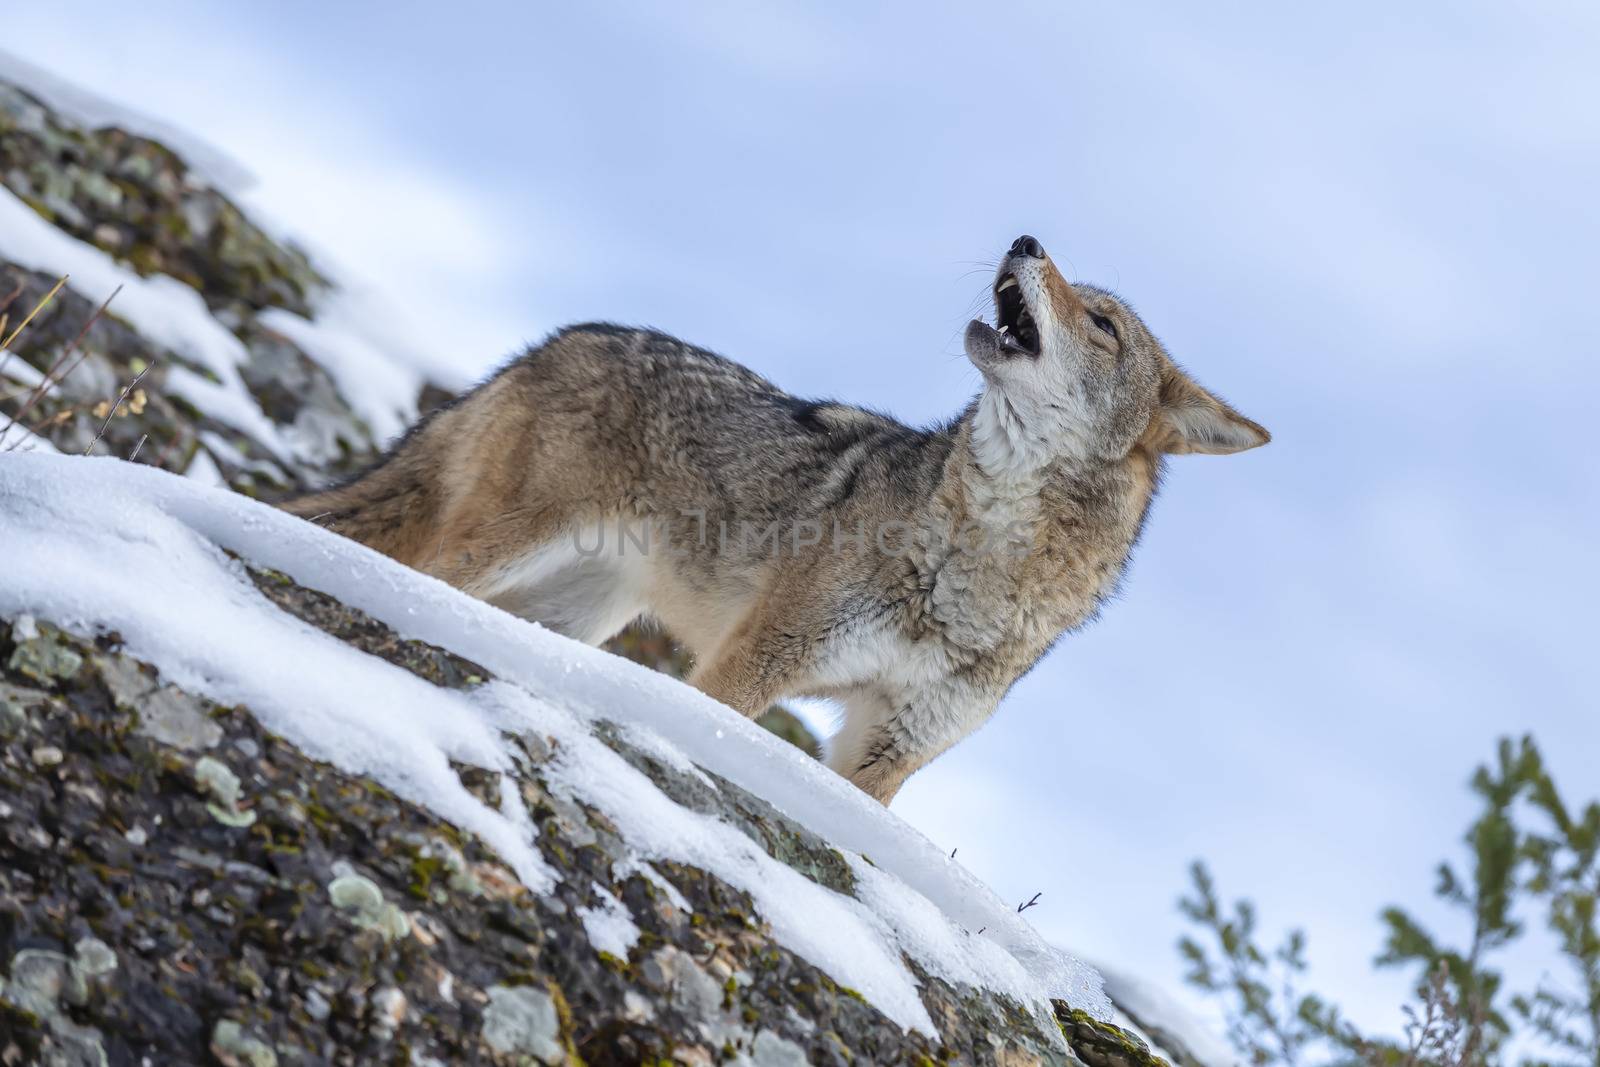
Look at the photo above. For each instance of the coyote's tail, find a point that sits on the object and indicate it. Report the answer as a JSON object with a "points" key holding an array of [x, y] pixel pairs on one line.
{"points": [[392, 507]]}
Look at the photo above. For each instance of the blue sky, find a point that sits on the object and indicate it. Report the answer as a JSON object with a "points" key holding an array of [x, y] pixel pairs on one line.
{"points": [[1374, 230]]}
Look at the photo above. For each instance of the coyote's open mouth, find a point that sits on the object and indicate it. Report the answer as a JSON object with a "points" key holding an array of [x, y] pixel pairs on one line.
{"points": [[1019, 335]]}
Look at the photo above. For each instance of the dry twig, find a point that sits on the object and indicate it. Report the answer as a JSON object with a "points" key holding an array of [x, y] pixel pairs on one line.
{"points": [[131, 386]]}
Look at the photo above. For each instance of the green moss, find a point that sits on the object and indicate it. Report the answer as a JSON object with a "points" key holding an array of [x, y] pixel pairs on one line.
{"points": [[425, 870], [1101, 1044], [320, 816], [564, 1015], [833, 987]]}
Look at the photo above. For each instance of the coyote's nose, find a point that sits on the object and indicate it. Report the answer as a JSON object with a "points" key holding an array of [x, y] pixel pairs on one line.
{"points": [[1027, 246]]}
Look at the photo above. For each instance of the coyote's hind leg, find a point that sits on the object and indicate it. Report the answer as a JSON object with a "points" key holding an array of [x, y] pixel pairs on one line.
{"points": [[757, 664]]}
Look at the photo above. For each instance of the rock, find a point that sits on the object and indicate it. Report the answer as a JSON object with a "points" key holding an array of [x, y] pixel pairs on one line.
{"points": [[41, 985], [770, 1050], [214, 777], [388, 1011], [138, 202], [13, 720], [41, 980], [364, 900], [173, 717], [522, 1020], [234, 1047], [93, 958], [44, 659]]}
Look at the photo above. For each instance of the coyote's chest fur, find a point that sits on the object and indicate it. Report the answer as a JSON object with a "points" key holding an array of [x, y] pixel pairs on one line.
{"points": [[795, 548]]}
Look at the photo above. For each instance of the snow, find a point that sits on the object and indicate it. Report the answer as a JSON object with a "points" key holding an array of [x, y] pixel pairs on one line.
{"points": [[11, 366], [97, 544], [204, 469], [95, 112], [1150, 1008], [610, 927], [20, 439]]}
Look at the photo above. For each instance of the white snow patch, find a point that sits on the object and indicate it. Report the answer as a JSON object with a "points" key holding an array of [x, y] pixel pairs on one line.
{"points": [[610, 927], [82, 545], [96, 112], [204, 469], [21, 439], [97, 544], [12, 366], [831, 930], [653, 744]]}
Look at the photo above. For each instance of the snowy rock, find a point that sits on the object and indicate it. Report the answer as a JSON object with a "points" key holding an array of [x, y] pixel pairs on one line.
{"points": [[200, 284]]}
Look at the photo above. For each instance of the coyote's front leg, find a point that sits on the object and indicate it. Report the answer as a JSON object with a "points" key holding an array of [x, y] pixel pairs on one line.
{"points": [[884, 742]]}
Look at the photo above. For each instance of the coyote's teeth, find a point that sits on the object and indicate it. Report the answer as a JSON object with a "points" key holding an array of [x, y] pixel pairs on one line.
{"points": [[1005, 329], [1007, 284]]}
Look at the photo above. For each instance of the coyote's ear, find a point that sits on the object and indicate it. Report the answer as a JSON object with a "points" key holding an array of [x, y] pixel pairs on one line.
{"points": [[1190, 419]]}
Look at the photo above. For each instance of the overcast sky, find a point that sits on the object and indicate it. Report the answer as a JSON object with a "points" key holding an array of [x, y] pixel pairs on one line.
{"points": [[1372, 229]]}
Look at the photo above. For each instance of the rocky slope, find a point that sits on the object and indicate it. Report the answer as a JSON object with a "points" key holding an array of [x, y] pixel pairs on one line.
{"points": [[180, 885], [179, 882]]}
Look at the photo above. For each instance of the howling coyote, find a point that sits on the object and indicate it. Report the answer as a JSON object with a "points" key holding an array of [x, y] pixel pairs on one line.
{"points": [[807, 548]]}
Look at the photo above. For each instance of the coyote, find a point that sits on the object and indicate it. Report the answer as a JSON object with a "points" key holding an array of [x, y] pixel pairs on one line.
{"points": [[799, 547]]}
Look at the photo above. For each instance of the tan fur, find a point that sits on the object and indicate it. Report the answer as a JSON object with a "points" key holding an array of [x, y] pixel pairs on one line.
{"points": [[918, 637]]}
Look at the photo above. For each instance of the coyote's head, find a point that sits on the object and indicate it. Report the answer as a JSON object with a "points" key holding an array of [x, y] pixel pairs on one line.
{"points": [[1071, 371]]}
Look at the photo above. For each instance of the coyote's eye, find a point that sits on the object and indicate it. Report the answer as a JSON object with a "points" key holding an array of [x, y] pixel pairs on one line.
{"points": [[1105, 325]]}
